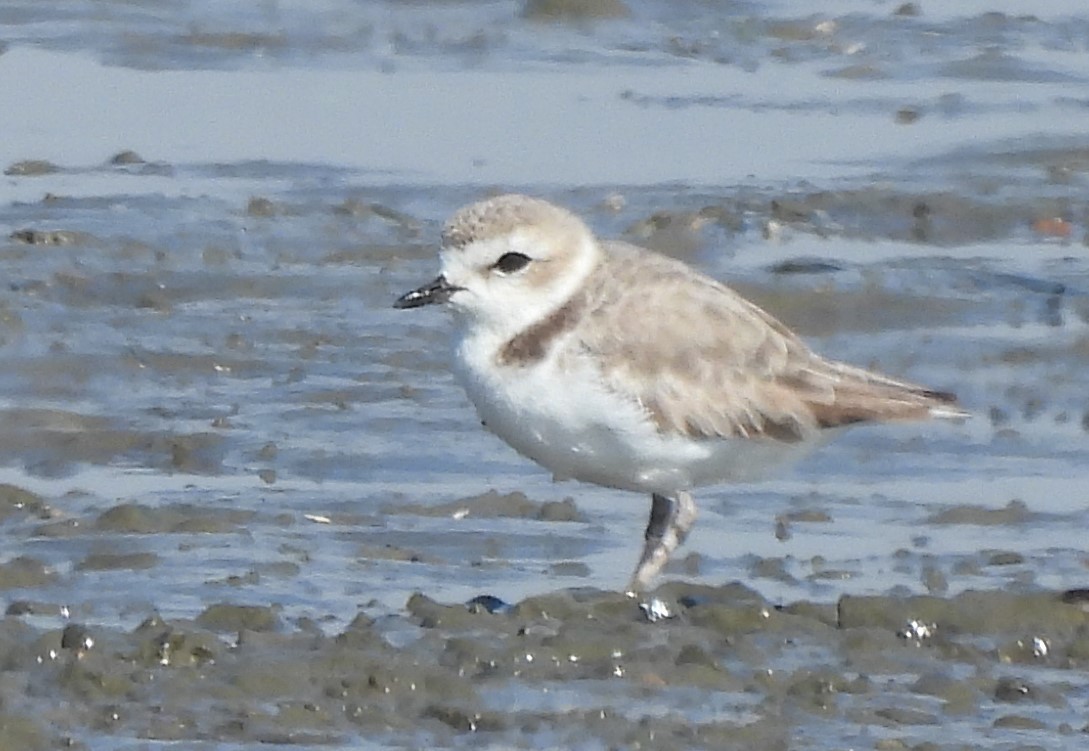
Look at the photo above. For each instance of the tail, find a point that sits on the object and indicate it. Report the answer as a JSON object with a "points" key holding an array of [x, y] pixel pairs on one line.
{"points": [[950, 410], [853, 395]]}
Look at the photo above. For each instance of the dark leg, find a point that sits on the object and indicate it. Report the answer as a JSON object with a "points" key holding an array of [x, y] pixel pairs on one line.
{"points": [[668, 526]]}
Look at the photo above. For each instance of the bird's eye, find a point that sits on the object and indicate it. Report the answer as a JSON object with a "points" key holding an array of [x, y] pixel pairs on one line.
{"points": [[510, 263]]}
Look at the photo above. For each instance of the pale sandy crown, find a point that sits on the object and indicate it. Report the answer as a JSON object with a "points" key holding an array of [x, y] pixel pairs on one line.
{"points": [[503, 215]]}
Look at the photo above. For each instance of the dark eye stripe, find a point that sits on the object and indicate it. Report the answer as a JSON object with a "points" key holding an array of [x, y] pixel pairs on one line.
{"points": [[509, 263]]}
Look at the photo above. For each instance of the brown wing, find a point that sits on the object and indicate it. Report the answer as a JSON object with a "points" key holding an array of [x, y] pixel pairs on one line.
{"points": [[705, 362]]}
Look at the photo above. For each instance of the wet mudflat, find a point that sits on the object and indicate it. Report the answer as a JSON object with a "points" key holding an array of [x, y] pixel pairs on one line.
{"points": [[695, 667], [244, 503]]}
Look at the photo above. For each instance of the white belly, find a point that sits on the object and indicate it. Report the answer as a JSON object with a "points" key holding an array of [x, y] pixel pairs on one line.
{"points": [[566, 421]]}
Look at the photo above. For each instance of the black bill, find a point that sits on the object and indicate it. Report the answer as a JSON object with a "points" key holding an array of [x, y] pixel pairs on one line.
{"points": [[437, 291]]}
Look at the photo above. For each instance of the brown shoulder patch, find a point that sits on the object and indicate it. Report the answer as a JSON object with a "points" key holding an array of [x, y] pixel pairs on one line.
{"points": [[533, 344]]}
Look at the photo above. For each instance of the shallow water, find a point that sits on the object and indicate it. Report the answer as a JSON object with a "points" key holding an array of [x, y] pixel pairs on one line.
{"points": [[213, 417]]}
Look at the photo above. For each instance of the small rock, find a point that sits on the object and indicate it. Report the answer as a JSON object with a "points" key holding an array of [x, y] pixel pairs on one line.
{"points": [[31, 168], [574, 10]]}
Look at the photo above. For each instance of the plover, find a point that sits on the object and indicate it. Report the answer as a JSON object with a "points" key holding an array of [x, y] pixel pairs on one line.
{"points": [[611, 364]]}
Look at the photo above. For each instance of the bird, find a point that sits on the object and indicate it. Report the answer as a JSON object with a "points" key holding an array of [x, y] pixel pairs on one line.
{"points": [[611, 364]]}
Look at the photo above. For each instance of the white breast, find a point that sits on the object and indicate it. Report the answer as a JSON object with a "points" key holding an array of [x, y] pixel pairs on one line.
{"points": [[565, 419]]}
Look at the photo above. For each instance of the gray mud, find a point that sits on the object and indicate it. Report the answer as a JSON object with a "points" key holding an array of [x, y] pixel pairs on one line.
{"points": [[696, 667], [244, 503]]}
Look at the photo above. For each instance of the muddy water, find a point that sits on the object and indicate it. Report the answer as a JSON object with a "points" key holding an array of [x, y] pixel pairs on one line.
{"points": [[243, 502]]}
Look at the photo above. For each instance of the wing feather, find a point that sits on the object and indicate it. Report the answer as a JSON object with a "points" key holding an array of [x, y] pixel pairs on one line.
{"points": [[704, 362]]}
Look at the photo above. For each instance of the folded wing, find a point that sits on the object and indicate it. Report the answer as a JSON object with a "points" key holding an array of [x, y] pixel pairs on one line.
{"points": [[706, 363]]}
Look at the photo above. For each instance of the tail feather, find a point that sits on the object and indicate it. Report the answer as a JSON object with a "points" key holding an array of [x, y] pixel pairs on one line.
{"points": [[861, 396]]}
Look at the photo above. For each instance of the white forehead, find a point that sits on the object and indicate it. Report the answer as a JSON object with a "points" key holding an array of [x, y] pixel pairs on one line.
{"points": [[483, 253]]}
